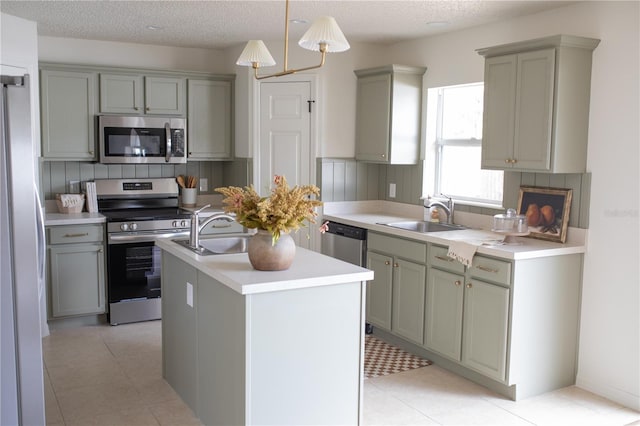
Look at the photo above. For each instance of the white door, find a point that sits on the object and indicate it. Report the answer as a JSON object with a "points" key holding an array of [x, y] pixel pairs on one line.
{"points": [[285, 139]]}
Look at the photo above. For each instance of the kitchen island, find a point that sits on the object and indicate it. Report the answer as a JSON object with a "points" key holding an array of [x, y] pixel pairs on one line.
{"points": [[242, 346]]}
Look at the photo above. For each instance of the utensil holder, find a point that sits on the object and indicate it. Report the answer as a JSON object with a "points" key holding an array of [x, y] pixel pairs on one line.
{"points": [[189, 196]]}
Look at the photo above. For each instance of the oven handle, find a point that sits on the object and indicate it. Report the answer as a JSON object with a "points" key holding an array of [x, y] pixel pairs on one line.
{"points": [[144, 237], [167, 129]]}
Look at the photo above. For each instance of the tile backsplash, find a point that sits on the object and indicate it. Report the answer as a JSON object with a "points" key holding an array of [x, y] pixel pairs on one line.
{"points": [[57, 176]]}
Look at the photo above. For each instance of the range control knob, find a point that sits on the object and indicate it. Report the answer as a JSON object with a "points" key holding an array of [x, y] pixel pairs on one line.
{"points": [[174, 224], [183, 223], [124, 227], [133, 226]]}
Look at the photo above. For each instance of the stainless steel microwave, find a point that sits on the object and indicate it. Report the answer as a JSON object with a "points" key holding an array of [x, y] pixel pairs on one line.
{"points": [[142, 140]]}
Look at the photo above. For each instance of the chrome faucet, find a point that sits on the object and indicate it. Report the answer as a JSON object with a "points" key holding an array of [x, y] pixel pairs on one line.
{"points": [[448, 208], [197, 227]]}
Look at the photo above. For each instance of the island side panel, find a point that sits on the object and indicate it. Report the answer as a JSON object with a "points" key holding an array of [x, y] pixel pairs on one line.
{"points": [[304, 362], [179, 328], [221, 353]]}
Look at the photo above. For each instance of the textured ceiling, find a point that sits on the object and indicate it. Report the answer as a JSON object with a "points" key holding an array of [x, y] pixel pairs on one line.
{"points": [[222, 23]]}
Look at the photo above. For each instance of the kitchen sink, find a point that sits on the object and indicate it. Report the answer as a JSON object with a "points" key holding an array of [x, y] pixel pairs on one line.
{"points": [[219, 245], [423, 226]]}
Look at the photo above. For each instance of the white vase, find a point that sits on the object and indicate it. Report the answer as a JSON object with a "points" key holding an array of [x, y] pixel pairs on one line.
{"points": [[265, 256]]}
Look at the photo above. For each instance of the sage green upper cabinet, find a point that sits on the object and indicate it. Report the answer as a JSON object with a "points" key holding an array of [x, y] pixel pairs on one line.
{"points": [[68, 103], [140, 94], [536, 105], [121, 93], [210, 119], [388, 114]]}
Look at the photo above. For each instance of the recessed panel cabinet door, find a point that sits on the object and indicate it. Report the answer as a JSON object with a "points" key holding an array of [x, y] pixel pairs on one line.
{"points": [[373, 117], [121, 94], [209, 119], [68, 107], [443, 319], [499, 106], [77, 279], [379, 290], [408, 300], [164, 95], [486, 319]]}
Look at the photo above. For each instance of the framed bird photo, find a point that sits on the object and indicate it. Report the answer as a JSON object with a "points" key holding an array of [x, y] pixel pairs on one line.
{"points": [[547, 211]]}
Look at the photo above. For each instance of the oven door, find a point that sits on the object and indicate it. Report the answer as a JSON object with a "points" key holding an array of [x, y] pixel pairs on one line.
{"points": [[133, 271], [142, 140]]}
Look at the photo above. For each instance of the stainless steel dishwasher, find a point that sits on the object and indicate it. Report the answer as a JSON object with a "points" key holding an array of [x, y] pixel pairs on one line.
{"points": [[345, 242]]}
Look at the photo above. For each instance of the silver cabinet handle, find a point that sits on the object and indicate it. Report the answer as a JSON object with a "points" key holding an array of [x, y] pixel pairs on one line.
{"points": [[395, 265], [469, 285], [84, 234], [484, 268], [445, 259], [458, 283], [386, 262]]}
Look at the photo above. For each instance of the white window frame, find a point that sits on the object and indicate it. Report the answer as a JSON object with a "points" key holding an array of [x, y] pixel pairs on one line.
{"points": [[438, 144]]}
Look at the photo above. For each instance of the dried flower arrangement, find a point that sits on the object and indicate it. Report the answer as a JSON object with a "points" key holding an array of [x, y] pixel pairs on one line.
{"points": [[283, 211]]}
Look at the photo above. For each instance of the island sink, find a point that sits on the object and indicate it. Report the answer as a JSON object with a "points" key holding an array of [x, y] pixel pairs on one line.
{"points": [[219, 245], [423, 226]]}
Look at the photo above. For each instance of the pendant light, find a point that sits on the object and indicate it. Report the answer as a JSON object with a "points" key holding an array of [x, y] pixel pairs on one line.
{"points": [[323, 36]]}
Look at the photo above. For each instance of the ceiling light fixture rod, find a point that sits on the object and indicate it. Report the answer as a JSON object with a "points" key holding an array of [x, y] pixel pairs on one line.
{"points": [[324, 36]]}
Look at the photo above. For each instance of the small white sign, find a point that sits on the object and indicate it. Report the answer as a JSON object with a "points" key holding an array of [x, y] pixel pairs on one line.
{"points": [[190, 294]]}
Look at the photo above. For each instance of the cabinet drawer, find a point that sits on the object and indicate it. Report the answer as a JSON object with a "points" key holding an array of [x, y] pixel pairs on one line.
{"points": [[489, 269], [75, 234], [406, 249], [438, 258]]}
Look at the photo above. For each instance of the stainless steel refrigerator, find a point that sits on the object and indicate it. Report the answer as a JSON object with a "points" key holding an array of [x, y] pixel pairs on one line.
{"points": [[21, 262]]}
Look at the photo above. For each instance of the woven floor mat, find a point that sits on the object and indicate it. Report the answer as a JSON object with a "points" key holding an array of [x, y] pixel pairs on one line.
{"points": [[381, 358]]}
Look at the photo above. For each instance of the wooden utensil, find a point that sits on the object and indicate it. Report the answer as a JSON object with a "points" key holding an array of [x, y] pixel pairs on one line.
{"points": [[180, 180]]}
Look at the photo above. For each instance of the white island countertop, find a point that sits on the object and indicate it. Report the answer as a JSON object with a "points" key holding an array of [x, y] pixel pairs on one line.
{"points": [[309, 269]]}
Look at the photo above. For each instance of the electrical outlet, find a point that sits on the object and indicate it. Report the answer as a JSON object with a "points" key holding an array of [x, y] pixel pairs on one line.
{"points": [[204, 184], [392, 190], [74, 187]]}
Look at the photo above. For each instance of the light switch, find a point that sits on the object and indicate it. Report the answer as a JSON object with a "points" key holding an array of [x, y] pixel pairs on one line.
{"points": [[204, 184], [392, 190], [190, 294]]}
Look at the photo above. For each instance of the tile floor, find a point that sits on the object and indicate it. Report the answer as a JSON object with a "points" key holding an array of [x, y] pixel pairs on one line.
{"points": [[103, 375]]}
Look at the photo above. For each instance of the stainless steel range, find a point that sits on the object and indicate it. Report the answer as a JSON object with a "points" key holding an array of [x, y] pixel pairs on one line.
{"points": [[138, 212]]}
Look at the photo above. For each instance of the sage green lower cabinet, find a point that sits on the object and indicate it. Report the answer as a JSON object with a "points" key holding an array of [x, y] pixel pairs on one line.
{"points": [[278, 357], [510, 325], [486, 319], [76, 263], [443, 319], [408, 300], [395, 297], [379, 290]]}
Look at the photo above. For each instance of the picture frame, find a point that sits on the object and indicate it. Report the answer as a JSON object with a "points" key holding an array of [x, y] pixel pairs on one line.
{"points": [[547, 211]]}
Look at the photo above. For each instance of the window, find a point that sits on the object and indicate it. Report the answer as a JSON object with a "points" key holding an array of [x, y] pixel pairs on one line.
{"points": [[454, 139]]}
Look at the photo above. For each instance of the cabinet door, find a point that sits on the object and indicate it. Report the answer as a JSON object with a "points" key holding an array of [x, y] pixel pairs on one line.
{"points": [[68, 107], [379, 290], [408, 300], [164, 95], [77, 279], [179, 293], [486, 317], [443, 320], [498, 116], [121, 93], [373, 114], [209, 119], [534, 109]]}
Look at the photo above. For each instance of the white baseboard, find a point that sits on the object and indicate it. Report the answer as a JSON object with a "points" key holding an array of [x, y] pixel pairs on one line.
{"points": [[616, 395]]}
